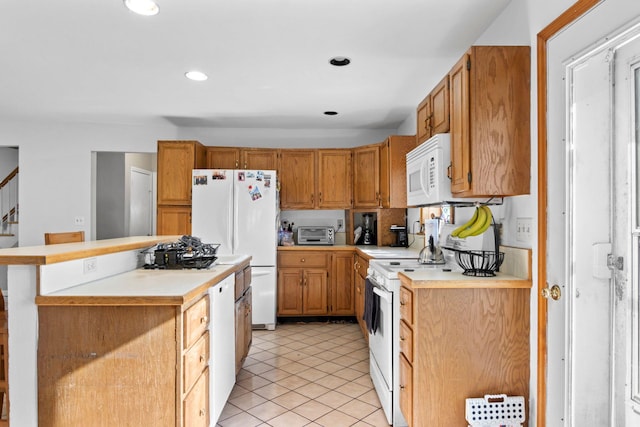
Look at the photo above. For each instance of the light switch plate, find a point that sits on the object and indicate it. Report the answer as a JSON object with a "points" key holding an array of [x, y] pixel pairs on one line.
{"points": [[524, 229]]}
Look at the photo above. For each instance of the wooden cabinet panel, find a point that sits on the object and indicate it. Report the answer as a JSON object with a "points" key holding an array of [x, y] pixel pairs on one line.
{"points": [[196, 404], [299, 259], [393, 170], [196, 321], [466, 342], [334, 179], [423, 123], [406, 340], [406, 305], [361, 265], [297, 179], [440, 107], [490, 114], [173, 220], [289, 291], [258, 158], [195, 361], [460, 152], [433, 112], [314, 292], [342, 289], [176, 160], [223, 158], [366, 176], [406, 389]]}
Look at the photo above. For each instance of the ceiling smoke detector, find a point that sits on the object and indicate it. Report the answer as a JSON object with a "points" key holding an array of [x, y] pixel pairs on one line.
{"points": [[339, 61], [330, 113], [142, 7]]}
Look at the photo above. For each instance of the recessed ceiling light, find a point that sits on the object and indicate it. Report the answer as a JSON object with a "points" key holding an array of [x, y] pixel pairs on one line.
{"points": [[331, 113], [339, 61], [142, 7], [197, 76]]}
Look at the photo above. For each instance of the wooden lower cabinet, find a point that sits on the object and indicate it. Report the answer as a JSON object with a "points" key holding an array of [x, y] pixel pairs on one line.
{"points": [[173, 220], [460, 343], [315, 283], [124, 365], [360, 266]]}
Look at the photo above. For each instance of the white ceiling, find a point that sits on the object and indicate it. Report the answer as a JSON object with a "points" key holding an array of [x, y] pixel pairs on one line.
{"points": [[267, 60]]}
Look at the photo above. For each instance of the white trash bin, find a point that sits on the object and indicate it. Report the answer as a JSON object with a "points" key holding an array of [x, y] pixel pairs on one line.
{"points": [[495, 410]]}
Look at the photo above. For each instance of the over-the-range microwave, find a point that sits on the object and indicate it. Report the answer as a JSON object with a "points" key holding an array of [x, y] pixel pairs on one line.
{"points": [[427, 180]]}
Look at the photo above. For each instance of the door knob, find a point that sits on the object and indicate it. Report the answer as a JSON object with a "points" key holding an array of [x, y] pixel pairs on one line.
{"points": [[554, 293]]}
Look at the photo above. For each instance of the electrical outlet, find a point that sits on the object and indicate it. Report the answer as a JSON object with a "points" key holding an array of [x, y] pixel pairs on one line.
{"points": [[340, 224], [524, 229], [90, 265], [79, 220]]}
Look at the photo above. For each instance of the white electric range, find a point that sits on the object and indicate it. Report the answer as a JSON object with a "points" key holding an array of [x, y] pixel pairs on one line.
{"points": [[384, 344]]}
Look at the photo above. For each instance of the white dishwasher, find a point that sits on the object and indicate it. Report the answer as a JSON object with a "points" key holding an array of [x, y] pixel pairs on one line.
{"points": [[222, 343]]}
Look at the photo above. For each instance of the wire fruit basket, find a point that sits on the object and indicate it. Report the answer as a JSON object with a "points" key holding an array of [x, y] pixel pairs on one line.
{"points": [[479, 263]]}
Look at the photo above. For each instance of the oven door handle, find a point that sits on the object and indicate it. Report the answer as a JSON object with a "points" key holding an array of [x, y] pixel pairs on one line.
{"points": [[386, 296]]}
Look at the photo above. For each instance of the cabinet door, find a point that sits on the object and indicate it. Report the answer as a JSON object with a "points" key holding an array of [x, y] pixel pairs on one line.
{"points": [[173, 220], [406, 389], [314, 292], [361, 266], [223, 158], [366, 176], [334, 179], [423, 113], [176, 160], [460, 142], [289, 291], [239, 306], [393, 170], [297, 179], [342, 289], [440, 107], [261, 159], [248, 321]]}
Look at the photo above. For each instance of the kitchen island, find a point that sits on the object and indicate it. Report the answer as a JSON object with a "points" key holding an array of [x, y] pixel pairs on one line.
{"points": [[95, 339]]}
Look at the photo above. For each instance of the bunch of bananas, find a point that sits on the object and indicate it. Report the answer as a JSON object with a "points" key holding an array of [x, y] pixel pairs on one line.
{"points": [[478, 224]]}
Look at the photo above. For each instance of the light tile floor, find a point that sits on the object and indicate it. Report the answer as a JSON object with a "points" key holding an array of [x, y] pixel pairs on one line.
{"points": [[311, 374]]}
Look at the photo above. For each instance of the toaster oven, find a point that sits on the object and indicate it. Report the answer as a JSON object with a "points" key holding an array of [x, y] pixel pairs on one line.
{"points": [[315, 235]]}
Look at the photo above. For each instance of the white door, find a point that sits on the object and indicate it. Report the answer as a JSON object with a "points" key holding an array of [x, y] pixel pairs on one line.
{"points": [[588, 327], [627, 228], [140, 203]]}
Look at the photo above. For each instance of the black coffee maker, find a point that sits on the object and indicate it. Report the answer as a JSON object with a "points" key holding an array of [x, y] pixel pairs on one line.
{"points": [[401, 236], [368, 232]]}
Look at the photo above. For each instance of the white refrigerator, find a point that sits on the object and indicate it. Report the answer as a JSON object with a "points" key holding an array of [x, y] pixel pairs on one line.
{"points": [[239, 210]]}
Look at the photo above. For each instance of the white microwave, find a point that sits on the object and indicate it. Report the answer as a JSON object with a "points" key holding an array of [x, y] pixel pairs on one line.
{"points": [[427, 180]]}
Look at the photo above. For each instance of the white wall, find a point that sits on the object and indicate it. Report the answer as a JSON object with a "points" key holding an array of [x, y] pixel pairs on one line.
{"points": [[55, 169]]}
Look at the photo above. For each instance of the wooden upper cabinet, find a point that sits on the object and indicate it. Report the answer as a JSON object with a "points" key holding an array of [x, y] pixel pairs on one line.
{"points": [[242, 158], [296, 170], [176, 160], [393, 170], [433, 112], [366, 176], [490, 113], [258, 158], [334, 179], [223, 158], [173, 220]]}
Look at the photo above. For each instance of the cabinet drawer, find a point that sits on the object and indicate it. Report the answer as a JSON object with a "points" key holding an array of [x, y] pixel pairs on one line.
{"points": [[303, 259], [361, 267], [406, 305], [195, 361], [406, 340], [406, 389], [196, 404], [196, 320]]}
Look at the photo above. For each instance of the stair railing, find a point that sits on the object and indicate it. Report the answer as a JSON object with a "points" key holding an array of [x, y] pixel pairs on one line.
{"points": [[9, 200]]}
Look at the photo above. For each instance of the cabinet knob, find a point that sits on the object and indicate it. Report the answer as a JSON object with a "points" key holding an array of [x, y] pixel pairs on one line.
{"points": [[202, 412], [319, 197], [202, 358], [237, 164], [204, 319], [402, 387], [401, 338], [302, 260], [402, 302]]}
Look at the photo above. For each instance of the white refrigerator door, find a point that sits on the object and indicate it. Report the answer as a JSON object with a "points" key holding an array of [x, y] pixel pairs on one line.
{"points": [[212, 207], [255, 198]]}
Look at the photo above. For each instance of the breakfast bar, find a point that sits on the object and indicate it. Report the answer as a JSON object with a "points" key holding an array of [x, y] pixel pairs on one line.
{"points": [[93, 336]]}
